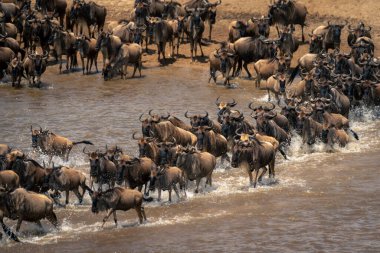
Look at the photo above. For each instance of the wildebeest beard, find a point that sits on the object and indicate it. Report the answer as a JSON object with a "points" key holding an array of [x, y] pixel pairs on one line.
{"points": [[282, 85]]}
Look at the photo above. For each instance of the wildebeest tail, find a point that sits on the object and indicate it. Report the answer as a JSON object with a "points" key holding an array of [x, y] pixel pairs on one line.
{"points": [[9, 232], [83, 142], [356, 136], [294, 74]]}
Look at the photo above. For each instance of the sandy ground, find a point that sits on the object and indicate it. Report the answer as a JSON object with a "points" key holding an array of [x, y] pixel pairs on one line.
{"points": [[319, 13]]}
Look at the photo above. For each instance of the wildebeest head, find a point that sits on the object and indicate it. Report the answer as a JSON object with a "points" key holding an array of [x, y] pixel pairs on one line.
{"points": [[39, 62], [144, 144], [226, 60], [262, 25], [242, 151], [167, 152], [171, 9], [94, 158], [197, 120], [103, 40], [203, 138], [100, 200], [316, 43], [281, 78], [224, 107], [334, 33]]}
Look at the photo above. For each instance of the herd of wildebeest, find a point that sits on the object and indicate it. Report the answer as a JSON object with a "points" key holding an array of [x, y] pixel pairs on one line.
{"points": [[171, 151]]}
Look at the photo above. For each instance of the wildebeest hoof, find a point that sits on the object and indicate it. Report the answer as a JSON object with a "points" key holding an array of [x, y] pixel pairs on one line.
{"points": [[196, 191]]}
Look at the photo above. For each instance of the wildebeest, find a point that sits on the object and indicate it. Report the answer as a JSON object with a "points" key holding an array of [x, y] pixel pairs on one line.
{"points": [[266, 125], [165, 131], [360, 31], [162, 33], [302, 89], [196, 165], [256, 155], [68, 179], [9, 179], [56, 6], [288, 13], [195, 27], [12, 44], [94, 15], [53, 144], [6, 56], [64, 43], [208, 11], [117, 199], [198, 120], [275, 84], [167, 178], [86, 48], [265, 68], [135, 172], [128, 53], [22, 205], [109, 45], [341, 101], [209, 141], [147, 147], [224, 107], [334, 135], [316, 43], [311, 129], [34, 66], [221, 60], [250, 49], [102, 170], [331, 35], [16, 71]]}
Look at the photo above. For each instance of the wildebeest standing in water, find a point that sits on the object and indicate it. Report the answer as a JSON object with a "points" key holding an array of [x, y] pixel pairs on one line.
{"points": [[53, 144], [196, 165], [22, 205], [117, 199]]}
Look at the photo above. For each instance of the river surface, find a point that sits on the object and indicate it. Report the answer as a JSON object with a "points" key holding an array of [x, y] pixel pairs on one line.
{"points": [[319, 202]]}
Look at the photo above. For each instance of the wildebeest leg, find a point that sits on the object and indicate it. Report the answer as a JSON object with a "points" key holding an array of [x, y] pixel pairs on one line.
{"points": [[176, 191], [60, 64], [263, 173], [210, 30], [178, 45], [245, 66], [39, 224], [87, 65], [115, 218], [159, 193], [198, 180], [80, 198], [170, 193], [271, 167], [200, 47], [303, 36], [96, 63], [67, 196], [19, 221], [140, 66], [53, 219], [209, 180], [192, 49], [134, 69], [82, 60], [50, 158], [159, 50], [140, 210], [107, 216], [254, 183], [268, 94]]}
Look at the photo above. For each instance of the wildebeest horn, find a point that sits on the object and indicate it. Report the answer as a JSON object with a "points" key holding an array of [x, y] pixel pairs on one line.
{"points": [[141, 117], [250, 107], [217, 101], [237, 132], [206, 114], [84, 151], [133, 136], [328, 23], [232, 104], [168, 115], [368, 29], [187, 115], [150, 112]]}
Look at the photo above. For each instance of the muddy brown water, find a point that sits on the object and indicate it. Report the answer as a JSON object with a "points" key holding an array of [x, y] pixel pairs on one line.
{"points": [[319, 202]]}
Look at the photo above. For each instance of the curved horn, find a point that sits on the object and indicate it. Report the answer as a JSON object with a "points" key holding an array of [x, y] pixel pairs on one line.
{"points": [[150, 112], [186, 116], [217, 101], [133, 136], [206, 114], [84, 151], [141, 117], [233, 103]]}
